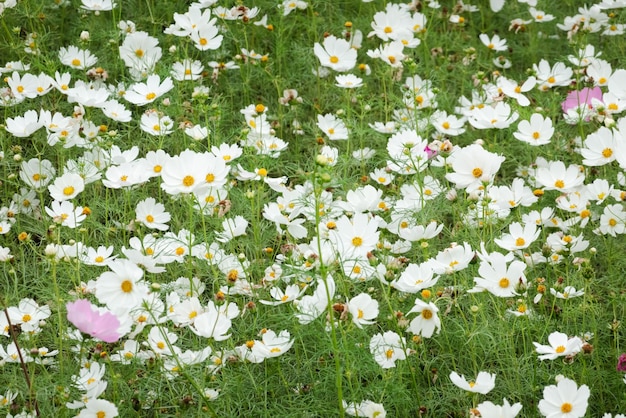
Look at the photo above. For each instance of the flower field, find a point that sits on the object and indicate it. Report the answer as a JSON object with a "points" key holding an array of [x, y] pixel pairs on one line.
{"points": [[312, 208]]}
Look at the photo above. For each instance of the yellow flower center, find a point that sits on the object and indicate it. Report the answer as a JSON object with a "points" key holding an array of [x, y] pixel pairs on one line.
{"points": [[157, 168], [210, 178], [68, 191], [389, 353], [161, 345], [188, 181], [612, 222], [139, 53], [99, 259], [520, 242], [203, 41], [127, 286], [334, 59], [75, 62], [477, 172], [357, 241], [387, 29], [560, 349], [427, 314], [26, 317], [607, 152], [566, 407], [150, 96], [445, 125], [150, 218], [559, 184], [536, 135]]}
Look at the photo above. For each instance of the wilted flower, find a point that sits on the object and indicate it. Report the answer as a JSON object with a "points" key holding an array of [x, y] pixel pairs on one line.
{"points": [[621, 363]]}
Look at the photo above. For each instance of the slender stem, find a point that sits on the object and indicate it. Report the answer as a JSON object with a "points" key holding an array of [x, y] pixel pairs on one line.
{"points": [[33, 398], [333, 328]]}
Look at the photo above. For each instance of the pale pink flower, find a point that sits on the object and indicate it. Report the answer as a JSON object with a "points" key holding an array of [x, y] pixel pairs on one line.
{"points": [[91, 320]]}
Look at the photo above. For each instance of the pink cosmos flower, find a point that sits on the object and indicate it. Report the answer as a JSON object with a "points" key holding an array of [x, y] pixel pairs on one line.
{"points": [[575, 98], [91, 320]]}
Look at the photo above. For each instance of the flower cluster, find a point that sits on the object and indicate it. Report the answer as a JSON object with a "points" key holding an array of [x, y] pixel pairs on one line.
{"points": [[202, 231]]}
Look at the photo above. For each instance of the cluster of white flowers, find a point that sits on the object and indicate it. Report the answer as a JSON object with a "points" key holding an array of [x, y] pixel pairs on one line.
{"points": [[333, 241]]}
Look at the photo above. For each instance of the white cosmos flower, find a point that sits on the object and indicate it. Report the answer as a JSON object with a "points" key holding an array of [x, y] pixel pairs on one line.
{"points": [[348, 81], [141, 94], [537, 131], [565, 400], [23, 126], [156, 124], [427, 322], [387, 348], [332, 126], [560, 345], [364, 309], [483, 384], [116, 111], [488, 409], [66, 187], [152, 214], [66, 214], [121, 289], [212, 324], [336, 54]]}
